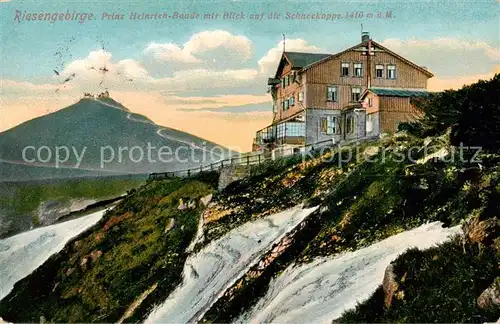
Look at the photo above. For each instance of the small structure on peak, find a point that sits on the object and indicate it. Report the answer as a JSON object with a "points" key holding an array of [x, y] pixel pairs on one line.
{"points": [[104, 94]]}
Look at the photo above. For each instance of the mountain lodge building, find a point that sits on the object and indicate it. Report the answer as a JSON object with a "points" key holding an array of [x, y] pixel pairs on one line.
{"points": [[360, 92]]}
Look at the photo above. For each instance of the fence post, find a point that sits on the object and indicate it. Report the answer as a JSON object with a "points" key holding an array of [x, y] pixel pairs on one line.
{"points": [[211, 166], [189, 173], [248, 159], [222, 163], [259, 158]]}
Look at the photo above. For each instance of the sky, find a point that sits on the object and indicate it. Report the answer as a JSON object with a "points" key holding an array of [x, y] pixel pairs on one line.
{"points": [[208, 76]]}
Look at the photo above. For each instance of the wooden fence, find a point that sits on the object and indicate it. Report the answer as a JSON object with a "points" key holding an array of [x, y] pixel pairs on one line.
{"points": [[251, 158], [254, 158]]}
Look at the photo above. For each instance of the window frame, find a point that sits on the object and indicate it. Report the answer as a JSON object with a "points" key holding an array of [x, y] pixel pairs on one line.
{"points": [[369, 121], [301, 96], [291, 101], [383, 68], [358, 94], [350, 125], [388, 69], [331, 124], [335, 92], [354, 70], [342, 69]]}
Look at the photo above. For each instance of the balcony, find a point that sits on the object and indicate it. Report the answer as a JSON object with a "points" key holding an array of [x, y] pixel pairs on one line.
{"points": [[287, 133]]}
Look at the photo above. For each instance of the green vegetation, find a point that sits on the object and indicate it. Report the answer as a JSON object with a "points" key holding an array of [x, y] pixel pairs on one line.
{"points": [[440, 284], [20, 200], [25, 197], [138, 246], [472, 113]]}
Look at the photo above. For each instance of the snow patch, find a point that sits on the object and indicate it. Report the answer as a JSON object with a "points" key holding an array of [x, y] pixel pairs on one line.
{"points": [[23, 253], [209, 273], [322, 290]]}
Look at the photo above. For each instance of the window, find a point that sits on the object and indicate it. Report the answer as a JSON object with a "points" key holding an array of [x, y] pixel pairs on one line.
{"points": [[369, 123], [331, 93], [287, 80], [286, 104], [344, 71], [301, 96], [355, 94], [391, 72], [379, 71], [283, 105], [370, 102], [350, 125], [292, 101], [328, 125], [358, 69], [282, 83]]}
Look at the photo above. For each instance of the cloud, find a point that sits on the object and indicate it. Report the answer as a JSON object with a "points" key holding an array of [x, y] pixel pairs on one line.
{"points": [[196, 79], [227, 45], [170, 53], [448, 56], [99, 66], [269, 62]]}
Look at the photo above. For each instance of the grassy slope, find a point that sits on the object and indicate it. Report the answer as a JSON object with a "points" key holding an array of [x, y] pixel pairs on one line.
{"points": [[100, 273], [446, 280], [440, 284], [20, 200]]}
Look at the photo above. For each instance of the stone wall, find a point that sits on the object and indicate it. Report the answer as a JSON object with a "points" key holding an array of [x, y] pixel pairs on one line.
{"points": [[231, 173]]}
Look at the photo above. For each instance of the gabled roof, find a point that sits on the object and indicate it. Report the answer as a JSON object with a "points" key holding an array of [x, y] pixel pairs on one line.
{"points": [[299, 60], [374, 43], [397, 92]]}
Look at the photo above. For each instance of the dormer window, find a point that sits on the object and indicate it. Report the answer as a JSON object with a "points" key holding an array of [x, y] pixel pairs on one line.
{"points": [[344, 70], [358, 70]]}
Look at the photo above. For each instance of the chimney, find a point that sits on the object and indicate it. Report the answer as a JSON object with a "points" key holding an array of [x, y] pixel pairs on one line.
{"points": [[365, 36]]}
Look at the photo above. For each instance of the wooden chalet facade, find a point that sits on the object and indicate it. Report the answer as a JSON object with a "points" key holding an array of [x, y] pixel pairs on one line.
{"points": [[317, 97]]}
